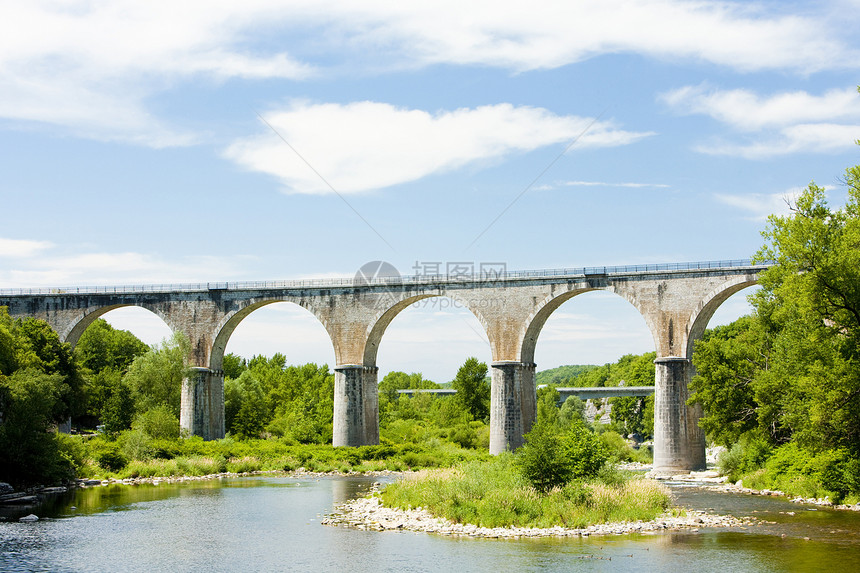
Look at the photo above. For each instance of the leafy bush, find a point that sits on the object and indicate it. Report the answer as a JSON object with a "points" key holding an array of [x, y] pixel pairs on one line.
{"points": [[585, 452], [746, 456], [136, 445], [109, 457], [158, 422], [617, 447], [550, 460], [542, 459]]}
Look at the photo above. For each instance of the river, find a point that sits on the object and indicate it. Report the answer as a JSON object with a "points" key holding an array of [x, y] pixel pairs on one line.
{"points": [[273, 524]]}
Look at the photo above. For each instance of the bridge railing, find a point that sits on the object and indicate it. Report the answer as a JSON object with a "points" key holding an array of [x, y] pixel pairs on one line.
{"points": [[421, 279]]}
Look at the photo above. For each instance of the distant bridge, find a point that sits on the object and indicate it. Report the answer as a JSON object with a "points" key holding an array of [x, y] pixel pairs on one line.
{"points": [[676, 300], [582, 392], [599, 392]]}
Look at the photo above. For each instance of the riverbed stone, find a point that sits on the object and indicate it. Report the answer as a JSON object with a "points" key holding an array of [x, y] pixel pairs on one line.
{"points": [[369, 513]]}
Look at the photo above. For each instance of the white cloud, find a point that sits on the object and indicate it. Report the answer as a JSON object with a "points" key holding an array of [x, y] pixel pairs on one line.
{"points": [[553, 33], [805, 138], [747, 111], [22, 247], [781, 124], [51, 269], [370, 145], [605, 184], [759, 206], [91, 66]]}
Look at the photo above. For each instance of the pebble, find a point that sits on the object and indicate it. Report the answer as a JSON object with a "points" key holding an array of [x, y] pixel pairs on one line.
{"points": [[369, 513], [738, 488]]}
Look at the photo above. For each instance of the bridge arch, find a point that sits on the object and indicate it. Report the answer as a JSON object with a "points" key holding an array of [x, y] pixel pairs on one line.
{"points": [[75, 327], [535, 323], [709, 305], [230, 321], [379, 324]]}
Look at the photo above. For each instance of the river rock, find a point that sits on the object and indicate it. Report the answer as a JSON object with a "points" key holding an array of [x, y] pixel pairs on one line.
{"points": [[29, 518], [5, 488], [369, 513]]}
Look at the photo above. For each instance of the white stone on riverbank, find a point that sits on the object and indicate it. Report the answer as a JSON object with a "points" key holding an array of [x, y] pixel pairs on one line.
{"points": [[299, 473], [369, 513]]}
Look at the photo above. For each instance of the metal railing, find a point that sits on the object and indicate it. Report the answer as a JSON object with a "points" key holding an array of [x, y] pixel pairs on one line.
{"points": [[465, 278]]}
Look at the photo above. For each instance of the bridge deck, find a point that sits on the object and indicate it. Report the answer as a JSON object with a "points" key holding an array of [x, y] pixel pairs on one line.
{"points": [[462, 279]]}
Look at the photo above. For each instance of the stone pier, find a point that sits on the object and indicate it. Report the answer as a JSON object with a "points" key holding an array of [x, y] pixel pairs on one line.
{"points": [[679, 443], [356, 406], [202, 410], [513, 404]]}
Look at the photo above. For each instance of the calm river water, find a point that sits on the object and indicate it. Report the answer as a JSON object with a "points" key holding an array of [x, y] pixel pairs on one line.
{"points": [[273, 524]]}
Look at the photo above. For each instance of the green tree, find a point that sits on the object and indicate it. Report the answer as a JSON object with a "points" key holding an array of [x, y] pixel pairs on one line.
{"points": [[102, 346], [234, 365], [39, 348], [159, 423], [473, 392], [29, 400], [394, 381], [156, 377], [40, 385], [246, 412], [572, 412], [728, 361], [118, 410], [785, 382], [541, 460], [551, 458], [809, 304]]}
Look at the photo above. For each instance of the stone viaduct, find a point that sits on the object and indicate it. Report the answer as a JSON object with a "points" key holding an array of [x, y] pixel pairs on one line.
{"points": [[676, 301]]}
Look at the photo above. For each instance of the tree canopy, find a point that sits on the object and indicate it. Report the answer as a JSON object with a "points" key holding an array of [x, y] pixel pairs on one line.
{"points": [[788, 376], [473, 392]]}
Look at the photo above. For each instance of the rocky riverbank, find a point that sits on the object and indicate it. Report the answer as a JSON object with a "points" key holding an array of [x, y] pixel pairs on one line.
{"points": [[35, 495], [713, 481], [369, 513], [739, 488]]}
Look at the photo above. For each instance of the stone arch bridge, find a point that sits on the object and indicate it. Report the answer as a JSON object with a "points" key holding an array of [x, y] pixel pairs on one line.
{"points": [[676, 301]]}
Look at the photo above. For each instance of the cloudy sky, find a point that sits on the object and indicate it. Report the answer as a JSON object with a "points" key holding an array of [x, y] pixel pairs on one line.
{"points": [[167, 142]]}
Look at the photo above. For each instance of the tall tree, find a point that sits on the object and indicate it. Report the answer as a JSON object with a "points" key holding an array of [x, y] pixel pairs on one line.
{"points": [[791, 372], [809, 304], [473, 392], [102, 346], [156, 377]]}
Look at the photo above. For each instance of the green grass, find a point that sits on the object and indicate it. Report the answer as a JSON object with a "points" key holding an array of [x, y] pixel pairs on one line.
{"points": [[493, 494], [135, 455]]}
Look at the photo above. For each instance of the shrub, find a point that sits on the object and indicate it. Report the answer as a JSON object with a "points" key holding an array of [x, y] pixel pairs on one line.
{"points": [[109, 457], [72, 450], [542, 460], [585, 452], [617, 447], [746, 456], [135, 445], [158, 422]]}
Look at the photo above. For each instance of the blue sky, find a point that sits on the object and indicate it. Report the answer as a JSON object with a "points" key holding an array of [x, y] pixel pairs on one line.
{"points": [[166, 142]]}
